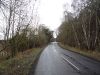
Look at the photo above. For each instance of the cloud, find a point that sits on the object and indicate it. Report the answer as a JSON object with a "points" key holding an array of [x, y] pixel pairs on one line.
{"points": [[51, 12]]}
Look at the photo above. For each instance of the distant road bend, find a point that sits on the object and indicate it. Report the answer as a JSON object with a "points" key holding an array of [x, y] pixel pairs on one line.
{"points": [[56, 61]]}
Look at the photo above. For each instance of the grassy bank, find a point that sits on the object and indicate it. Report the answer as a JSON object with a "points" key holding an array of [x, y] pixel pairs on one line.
{"points": [[20, 64], [89, 53]]}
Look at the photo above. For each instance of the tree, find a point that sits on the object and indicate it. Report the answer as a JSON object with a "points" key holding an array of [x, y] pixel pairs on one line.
{"points": [[84, 25], [16, 21]]}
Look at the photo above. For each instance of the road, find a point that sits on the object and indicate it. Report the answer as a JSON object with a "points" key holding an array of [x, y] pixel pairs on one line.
{"points": [[56, 61]]}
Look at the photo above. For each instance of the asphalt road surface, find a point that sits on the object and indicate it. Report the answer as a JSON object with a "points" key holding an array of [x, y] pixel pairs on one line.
{"points": [[56, 61]]}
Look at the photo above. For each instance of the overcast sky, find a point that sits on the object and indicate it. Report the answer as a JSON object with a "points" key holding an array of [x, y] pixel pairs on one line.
{"points": [[51, 12]]}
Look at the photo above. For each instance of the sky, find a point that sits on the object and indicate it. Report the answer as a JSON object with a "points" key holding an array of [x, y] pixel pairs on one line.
{"points": [[51, 12]]}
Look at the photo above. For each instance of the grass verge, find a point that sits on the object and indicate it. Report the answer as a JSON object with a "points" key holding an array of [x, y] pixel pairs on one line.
{"points": [[20, 64], [92, 54]]}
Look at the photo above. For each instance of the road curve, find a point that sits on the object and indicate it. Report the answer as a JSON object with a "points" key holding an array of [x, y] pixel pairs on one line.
{"points": [[56, 61]]}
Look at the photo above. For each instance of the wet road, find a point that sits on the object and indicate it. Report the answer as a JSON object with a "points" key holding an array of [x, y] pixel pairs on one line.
{"points": [[56, 61]]}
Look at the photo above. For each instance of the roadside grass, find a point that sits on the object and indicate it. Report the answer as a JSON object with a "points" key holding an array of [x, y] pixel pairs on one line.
{"points": [[20, 64], [89, 53]]}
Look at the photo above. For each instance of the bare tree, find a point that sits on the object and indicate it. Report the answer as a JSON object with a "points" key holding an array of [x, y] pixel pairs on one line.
{"points": [[16, 17]]}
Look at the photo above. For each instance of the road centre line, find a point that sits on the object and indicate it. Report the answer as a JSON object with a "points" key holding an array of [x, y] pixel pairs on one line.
{"points": [[70, 63], [67, 60]]}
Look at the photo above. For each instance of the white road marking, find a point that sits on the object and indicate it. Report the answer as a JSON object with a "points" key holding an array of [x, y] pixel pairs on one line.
{"points": [[70, 63], [66, 59]]}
